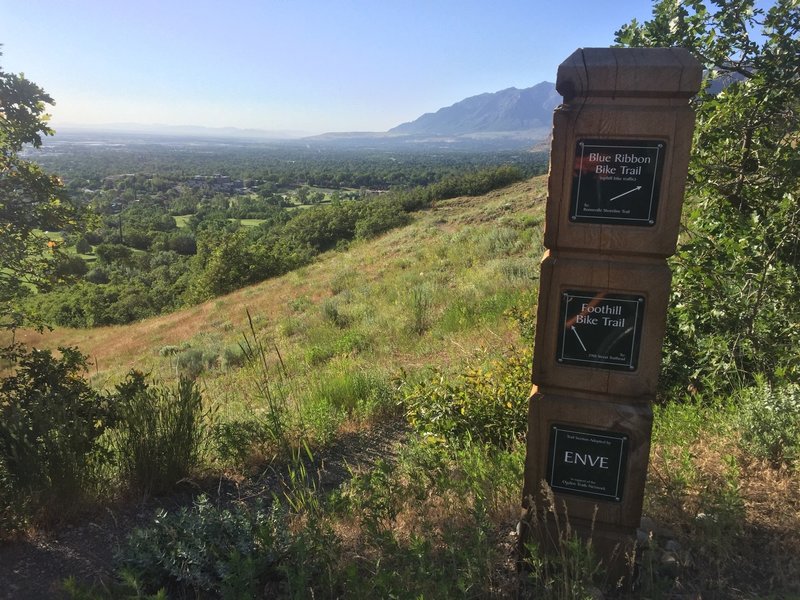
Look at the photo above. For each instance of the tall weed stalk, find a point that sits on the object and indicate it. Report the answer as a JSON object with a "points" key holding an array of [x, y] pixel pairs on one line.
{"points": [[160, 434], [421, 301], [562, 566], [275, 397]]}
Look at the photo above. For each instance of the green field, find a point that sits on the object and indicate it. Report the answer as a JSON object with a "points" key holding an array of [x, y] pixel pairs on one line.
{"points": [[182, 221]]}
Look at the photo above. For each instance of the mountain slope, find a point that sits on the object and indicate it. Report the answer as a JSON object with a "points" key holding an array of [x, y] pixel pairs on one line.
{"points": [[462, 254], [504, 111]]}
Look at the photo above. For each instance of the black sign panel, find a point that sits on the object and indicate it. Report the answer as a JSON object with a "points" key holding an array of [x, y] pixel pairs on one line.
{"points": [[587, 462], [616, 182], [600, 329]]}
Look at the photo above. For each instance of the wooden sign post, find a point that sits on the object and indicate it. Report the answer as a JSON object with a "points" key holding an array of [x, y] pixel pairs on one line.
{"points": [[618, 165]]}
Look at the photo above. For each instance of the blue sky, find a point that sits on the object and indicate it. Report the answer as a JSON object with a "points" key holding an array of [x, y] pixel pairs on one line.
{"points": [[299, 65]]}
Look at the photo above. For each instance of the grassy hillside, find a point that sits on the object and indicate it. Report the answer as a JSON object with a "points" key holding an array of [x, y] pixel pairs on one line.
{"points": [[426, 294], [424, 332]]}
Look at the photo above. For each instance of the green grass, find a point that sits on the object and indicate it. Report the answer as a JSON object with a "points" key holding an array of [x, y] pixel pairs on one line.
{"points": [[424, 321], [56, 236], [182, 221], [306, 206], [248, 222]]}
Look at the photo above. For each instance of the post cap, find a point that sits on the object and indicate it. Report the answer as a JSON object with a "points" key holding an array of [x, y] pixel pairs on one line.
{"points": [[629, 73]]}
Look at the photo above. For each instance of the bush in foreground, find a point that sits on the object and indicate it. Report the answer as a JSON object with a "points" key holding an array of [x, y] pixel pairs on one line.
{"points": [[50, 424], [160, 434]]}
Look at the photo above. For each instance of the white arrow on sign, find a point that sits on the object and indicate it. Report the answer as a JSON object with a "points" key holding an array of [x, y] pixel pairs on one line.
{"points": [[636, 189], [580, 341]]}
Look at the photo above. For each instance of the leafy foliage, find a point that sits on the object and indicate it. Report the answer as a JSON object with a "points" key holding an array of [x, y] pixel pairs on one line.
{"points": [[50, 424], [771, 423], [208, 551], [486, 403], [734, 312], [145, 266], [30, 200]]}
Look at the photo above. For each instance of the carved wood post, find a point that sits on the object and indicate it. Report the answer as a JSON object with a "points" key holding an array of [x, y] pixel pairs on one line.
{"points": [[618, 165]]}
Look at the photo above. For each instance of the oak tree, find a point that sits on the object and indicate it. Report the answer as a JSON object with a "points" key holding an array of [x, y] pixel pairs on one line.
{"points": [[734, 314], [31, 201]]}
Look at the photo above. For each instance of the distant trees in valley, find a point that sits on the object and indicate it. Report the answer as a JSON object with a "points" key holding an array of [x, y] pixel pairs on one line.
{"points": [[158, 243]]}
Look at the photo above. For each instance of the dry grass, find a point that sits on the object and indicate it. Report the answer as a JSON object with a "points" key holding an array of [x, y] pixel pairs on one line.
{"points": [[737, 518], [379, 268], [772, 525]]}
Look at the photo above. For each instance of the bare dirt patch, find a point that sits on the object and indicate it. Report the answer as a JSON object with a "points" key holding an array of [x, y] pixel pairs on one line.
{"points": [[35, 567]]}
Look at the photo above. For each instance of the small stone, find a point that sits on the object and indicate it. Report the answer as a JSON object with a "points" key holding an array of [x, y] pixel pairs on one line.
{"points": [[669, 565], [703, 517], [647, 524], [642, 538], [595, 594]]}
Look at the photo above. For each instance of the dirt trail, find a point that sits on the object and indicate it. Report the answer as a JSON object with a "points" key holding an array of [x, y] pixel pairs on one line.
{"points": [[34, 568]]}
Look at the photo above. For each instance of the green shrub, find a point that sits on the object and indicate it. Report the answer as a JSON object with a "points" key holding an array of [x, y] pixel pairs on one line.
{"points": [[344, 280], [320, 420], [497, 304], [71, 266], [420, 302], [233, 357], [500, 241], [351, 391], [519, 270], [524, 313], [300, 304], [380, 216], [771, 422], [12, 505], [82, 246], [487, 403], [461, 313], [191, 362], [351, 342], [236, 440], [206, 551], [290, 326], [160, 434], [169, 350], [332, 313], [318, 354], [733, 310], [50, 424]]}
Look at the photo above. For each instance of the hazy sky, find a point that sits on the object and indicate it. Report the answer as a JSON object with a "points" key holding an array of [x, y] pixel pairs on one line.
{"points": [[305, 65]]}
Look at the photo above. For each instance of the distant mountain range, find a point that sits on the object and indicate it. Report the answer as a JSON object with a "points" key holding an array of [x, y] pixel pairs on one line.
{"points": [[509, 110], [508, 119]]}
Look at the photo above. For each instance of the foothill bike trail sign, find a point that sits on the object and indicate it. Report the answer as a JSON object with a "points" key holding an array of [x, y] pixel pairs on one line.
{"points": [[600, 329], [618, 164]]}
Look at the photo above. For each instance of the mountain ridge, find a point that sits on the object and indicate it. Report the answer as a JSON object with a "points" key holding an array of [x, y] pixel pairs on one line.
{"points": [[507, 119], [511, 109]]}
